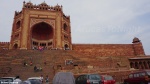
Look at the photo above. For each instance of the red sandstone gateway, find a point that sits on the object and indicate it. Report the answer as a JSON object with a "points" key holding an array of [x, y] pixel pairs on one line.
{"points": [[138, 77]]}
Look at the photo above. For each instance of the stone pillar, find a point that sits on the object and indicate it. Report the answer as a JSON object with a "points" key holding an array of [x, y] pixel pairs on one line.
{"points": [[146, 63]]}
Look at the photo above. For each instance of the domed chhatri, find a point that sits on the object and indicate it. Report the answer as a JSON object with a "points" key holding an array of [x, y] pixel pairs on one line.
{"points": [[29, 3], [43, 4], [136, 40]]}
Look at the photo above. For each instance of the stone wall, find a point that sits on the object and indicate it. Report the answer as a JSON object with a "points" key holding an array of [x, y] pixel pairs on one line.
{"points": [[108, 49], [138, 49], [4, 45]]}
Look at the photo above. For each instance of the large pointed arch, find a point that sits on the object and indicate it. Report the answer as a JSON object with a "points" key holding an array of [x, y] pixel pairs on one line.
{"points": [[42, 34], [15, 46]]}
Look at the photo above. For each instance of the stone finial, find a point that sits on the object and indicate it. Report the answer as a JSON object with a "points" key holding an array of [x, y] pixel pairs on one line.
{"points": [[24, 4]]}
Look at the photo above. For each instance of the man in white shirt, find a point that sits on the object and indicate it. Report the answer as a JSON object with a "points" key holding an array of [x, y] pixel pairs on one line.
{"points": [[17, 80]]}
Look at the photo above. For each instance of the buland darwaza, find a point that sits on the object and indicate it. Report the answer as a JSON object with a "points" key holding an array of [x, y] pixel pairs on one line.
{"points": [[40, 25], [45, 26]]}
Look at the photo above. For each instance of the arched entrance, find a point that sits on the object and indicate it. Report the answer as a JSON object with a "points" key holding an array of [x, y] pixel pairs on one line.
{"points": [[148, 64], [42, 36], [131, 65], [136, 65], [15, 46], [141, 65], [66, 47]]}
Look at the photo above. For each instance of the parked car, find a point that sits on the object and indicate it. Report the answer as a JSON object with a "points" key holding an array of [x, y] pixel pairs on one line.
{"points": [[35, 78], [89, 79], [31, 82], [137, 77], [38, 80], [107, 79], [9, 80], [64, 78]]}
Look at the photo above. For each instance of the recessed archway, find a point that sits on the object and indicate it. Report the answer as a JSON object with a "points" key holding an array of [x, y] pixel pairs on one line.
{"points": [[42, 34], [18, 24], [66, 47], [136, 65], [65, 27], [131, 65], [15, 46], [42, 31]]}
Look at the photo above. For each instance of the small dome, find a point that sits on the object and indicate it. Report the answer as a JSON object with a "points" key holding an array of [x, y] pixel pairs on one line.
{"points": [[29, 3], [135, 40], [44, 4]]}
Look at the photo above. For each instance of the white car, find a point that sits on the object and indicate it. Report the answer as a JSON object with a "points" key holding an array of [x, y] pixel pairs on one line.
{"points": [[38, 78], [33, 80], [8, 80]]}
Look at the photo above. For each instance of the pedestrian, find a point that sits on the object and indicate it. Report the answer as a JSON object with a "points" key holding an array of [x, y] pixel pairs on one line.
{"points": [[40, 69], [25, 64], [31, 63], [45, 62], [47, 79], [147, 78], [64, 78], [17, 80], [35, 68], [41, 78]]}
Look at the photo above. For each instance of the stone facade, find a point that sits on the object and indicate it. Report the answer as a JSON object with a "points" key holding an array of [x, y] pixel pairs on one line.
{"points": [[45, 26], [4, 45], [40, 25], [37, 26], [109, 49]]}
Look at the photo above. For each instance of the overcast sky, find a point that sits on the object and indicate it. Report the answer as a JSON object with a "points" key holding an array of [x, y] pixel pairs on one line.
{"points": [[93, 21]]}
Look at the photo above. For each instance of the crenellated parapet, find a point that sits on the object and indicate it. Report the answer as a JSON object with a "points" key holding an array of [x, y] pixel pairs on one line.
{"points": [[67, 17], [17, 13], [4, 45], [42, 6], [4, 42]]}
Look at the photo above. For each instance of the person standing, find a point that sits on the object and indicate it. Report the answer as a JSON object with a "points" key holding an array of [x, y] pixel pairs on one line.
{"points": [[63, 78], [25, 64], [31, 63], [42, 78], [35, 68], [147, 78], [17, 80], [47, 79]]}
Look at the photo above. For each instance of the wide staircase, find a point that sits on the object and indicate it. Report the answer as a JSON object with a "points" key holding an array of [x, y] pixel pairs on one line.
{"points": [[18, 62]]}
